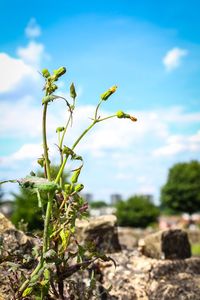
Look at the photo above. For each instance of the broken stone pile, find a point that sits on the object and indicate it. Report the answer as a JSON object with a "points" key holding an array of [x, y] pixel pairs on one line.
{"points": [[159, 268]]}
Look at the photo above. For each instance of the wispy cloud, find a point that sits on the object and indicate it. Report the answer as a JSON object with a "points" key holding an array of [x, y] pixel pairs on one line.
{"points": [[32, 30], [177, 144], [173, 57], [32, 54]]}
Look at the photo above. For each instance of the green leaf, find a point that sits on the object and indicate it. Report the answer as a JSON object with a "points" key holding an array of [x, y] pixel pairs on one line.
{"points": [[27, 291], [65, 235], [48, 99], [35, 183]]}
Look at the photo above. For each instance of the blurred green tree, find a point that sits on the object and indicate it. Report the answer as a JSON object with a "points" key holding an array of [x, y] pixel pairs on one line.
{"points": [[137, 211], [26, 205], [98, 204], [181, 193]]}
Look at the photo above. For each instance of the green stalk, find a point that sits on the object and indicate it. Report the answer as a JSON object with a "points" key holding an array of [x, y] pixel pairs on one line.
{"points": [[49, 206], [96, 111], [46, 224], [84, 133], [61, 145], [45, 147]]}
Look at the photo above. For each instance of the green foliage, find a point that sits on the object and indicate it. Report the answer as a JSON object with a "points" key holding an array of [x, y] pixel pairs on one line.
{"points": [[137, 211], [26, 205], [196, 249], [26, 209], [98, 204], [181, 193]]}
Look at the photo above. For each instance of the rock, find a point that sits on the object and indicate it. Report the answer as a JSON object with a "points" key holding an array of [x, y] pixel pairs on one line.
{"points": [[100, 230], [12, 241], [142, 278], [128, 237], [15, 246], [169, 244], [5, 224]]}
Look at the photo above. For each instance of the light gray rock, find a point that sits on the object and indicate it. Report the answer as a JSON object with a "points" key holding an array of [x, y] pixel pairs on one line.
{"points": [[102, 231], [169, 244]]}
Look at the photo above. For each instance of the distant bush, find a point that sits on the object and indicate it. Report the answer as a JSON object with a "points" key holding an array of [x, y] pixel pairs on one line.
{"points": [[137, 211], [181, 192], [98, 204]]}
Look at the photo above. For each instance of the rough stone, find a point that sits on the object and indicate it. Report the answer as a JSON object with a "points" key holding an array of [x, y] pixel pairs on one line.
{"points": [[100, 230], [14, 246], [169, 244], [152, 279], [5, 224]]}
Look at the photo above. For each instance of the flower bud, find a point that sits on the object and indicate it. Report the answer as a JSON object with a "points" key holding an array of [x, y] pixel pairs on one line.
{"points": [[45, 73], [60, 129], [53, 88], [108, 93], [75, 176], [120, 114], [40, 161], [59, 72], [73, 91], [67, 188], [79, 187], [66, 150]]}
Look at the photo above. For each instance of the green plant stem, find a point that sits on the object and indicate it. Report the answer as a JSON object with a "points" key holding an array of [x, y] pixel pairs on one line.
{"points": [[96, 111], [106, 118], [76, 143], [61, 145], [84, 133], [45, 146], [64, 132], [36, 270], [46, 224], [48, 209]]}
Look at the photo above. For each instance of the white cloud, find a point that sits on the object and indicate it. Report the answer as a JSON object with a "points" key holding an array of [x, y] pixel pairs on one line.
{"points": [[27, 151], [13, 71], [121, 151], [32, 30], [177, 144], [172, 59], [32, 54]]}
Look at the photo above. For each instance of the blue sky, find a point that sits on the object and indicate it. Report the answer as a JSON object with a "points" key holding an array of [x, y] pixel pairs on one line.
{"points": [[150, 49]]}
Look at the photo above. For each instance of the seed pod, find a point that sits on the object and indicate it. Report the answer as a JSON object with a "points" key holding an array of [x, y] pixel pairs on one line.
{"points": [[72, 91], [59, 72], [75, 176], [45, 73], [79, 187], [108, 93]]}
